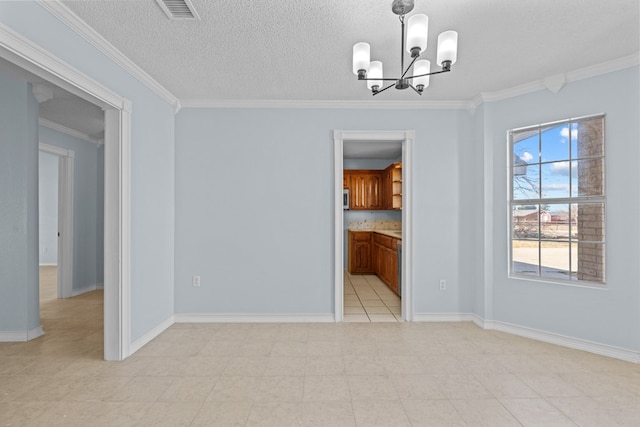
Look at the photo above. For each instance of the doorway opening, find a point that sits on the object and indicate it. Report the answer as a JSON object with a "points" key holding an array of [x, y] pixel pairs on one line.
{"points": [[36, 63], [373, 237], [48, 206], [55, 206]]}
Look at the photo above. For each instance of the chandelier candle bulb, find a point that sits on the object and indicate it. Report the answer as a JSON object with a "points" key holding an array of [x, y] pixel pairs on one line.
{"points": [[417, 34], [375, 72], [422, 66], [361, 58], [447, 48]]}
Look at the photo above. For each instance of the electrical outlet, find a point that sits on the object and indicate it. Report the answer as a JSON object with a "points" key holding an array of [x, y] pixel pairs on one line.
{"points": [[443, 285], [196, 281]]}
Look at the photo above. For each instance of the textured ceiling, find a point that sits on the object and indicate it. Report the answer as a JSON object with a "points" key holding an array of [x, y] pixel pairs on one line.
{"points": [[301, 49]]}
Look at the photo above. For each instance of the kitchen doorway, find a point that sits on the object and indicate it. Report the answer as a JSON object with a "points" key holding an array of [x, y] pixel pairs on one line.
{"points": [[380, 285]]}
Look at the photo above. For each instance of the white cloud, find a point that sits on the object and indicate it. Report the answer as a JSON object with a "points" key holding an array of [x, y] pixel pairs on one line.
{"points": [[565, 133], [555, 187], [526, 156], [562, 168]]}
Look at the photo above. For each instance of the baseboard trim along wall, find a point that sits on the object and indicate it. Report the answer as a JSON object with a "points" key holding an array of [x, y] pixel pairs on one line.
{"points": [[86, 289], [443, 317], [147, 337], [564, 341], [253, 318], [21, 336], [535, 334], [548, 337]]}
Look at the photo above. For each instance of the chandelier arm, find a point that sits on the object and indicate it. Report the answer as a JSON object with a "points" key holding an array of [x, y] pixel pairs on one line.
{"points": [[382, 90], [409, 67], [429, 74], [389, 79]]}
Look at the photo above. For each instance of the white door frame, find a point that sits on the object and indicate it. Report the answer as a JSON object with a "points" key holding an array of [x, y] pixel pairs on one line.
{"points": [[117, 275], [406, 137], [65, 217]]}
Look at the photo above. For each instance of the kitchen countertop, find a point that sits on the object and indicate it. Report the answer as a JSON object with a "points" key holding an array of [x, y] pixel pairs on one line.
{"points": [[396, 234]]}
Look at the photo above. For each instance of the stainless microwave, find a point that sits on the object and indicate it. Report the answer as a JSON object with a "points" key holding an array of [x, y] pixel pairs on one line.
{"points": [[345, 199]]}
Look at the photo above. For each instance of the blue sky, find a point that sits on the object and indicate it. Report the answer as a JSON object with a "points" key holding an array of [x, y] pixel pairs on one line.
{"points": [[552, 148]]}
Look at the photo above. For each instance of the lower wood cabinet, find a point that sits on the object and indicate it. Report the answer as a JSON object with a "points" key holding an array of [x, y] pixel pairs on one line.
{"points": [[385, 259], [371, 252], [359, 252]]}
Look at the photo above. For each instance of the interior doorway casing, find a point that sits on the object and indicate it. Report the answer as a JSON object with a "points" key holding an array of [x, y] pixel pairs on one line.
{"points": [[406, 137], [32, 58], [65, 217]]}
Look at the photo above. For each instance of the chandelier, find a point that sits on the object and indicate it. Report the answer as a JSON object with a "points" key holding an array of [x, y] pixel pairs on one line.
{"points": [[415, 44]]}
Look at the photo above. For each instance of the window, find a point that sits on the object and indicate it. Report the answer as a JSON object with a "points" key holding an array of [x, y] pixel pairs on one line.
{"points": [[557, 200]]}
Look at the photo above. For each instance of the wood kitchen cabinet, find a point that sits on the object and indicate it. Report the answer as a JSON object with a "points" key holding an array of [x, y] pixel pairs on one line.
{"points": [[371, 252], [385, 259], [359, 252], [365, 189], [393, 186], [374, 189]]}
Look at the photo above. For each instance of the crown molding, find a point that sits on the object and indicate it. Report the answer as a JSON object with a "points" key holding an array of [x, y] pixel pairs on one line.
{"points": [[511, 92], [553, 83], [603, 68], [68, 131], [73, 21], [375, 105], [556, 82], [34, 59]]}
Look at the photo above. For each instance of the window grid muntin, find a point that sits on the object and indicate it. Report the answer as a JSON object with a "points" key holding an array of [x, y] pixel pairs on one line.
{"points": [[570, 200]]}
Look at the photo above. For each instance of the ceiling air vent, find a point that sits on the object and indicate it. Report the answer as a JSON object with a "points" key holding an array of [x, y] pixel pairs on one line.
{"points": [[178, 9]]}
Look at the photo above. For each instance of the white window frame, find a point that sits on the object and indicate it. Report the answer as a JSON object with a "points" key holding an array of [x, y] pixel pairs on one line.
{"points": [[541, 200]]}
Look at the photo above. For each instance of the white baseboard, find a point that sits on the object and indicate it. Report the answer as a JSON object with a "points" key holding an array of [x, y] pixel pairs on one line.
{"points": [[35, 333], [564, 341], [46, 264], [253, 318], [144, 339], [21, 336], [86, 289], [535, 334], [443, 317]]}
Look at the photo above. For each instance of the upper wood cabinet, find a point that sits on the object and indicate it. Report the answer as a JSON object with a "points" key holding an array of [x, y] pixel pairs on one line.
{"points": [[365, 189], [393, 186], [374, 189]]}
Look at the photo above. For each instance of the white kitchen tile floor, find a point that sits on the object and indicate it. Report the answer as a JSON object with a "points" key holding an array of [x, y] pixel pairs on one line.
{"points": [[368, 299]]}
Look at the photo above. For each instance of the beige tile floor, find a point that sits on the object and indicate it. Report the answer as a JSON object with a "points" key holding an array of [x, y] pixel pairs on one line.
{"points": [[346, 374], [368, 299]]}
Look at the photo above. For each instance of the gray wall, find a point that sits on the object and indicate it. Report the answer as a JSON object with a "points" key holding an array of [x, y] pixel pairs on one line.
{"points": [[87, 236], [48, 208], [152, 161], [254, 207], [610, 315], [19, 305]]}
